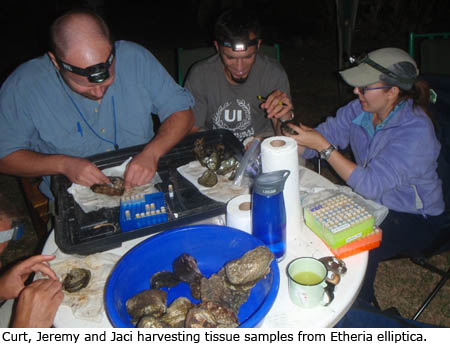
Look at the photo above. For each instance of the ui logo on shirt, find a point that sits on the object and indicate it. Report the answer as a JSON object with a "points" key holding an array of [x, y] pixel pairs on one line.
{"points": [[236, 117]]}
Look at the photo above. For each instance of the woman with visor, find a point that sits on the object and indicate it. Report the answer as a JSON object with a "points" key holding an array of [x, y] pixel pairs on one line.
{"points": [[395, 150]]}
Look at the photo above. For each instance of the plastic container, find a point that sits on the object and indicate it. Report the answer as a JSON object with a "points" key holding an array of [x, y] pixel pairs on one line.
{"points": [[371, 241], [142, 210], [338, 220], [82, 233], [211, 245], [269, 212]]}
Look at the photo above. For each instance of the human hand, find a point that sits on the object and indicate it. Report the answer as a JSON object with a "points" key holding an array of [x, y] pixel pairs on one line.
{"points": [[12, 281], [38, 303], [83, 172], [140, 170], [307, 137], [277, 105]]}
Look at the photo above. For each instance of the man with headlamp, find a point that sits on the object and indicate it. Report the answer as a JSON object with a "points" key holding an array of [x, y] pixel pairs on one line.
{"points": [[89, 95], [227, 85]]}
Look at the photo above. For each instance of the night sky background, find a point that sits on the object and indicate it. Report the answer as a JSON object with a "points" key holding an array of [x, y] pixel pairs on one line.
{"points": [[188, 23]]}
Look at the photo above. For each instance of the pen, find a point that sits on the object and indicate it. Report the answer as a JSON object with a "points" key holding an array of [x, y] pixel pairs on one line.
{"points": [[79, 129], [261, 98]]}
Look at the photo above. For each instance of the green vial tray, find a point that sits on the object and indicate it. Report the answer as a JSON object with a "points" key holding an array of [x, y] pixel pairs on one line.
{"points": [[338, 220]]}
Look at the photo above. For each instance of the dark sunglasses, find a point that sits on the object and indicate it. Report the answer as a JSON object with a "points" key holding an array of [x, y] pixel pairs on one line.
{"points": [[365, 59], [96, 73]]}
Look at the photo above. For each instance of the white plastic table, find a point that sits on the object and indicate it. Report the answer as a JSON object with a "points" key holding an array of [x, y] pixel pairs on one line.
{"points": [[283, 313]]}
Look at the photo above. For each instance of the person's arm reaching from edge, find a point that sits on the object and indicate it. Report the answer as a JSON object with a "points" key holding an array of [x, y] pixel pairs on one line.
{"points": [[309, 137], [143, 166], [38, 303], [28, 163], [12, 281], [278, 105]]}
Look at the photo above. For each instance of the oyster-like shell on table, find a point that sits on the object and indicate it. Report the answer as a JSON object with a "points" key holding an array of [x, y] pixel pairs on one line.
{"points": [[251, 267], [199, 148], [208, 179], [115, 188], [176, 312], [226, 166], [76, 279], [211, 314], [147, 302]]}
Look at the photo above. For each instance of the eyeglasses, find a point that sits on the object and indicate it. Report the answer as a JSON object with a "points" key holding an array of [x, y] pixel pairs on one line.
{"points": [[362, 90], [96, 73], [365, 59]]}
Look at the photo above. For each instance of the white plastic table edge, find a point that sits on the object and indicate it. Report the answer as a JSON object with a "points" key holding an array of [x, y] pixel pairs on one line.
{"points": [[283, 313]]}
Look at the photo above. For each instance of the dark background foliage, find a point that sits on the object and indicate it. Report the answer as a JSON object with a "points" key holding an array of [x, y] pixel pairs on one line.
{"points": [[24, 24]]}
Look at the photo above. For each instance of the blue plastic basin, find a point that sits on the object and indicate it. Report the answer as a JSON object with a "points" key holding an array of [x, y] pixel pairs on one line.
{"points": [[212, 245]]}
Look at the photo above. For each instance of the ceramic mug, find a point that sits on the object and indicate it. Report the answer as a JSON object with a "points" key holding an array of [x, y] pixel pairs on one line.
{"points": [[307, 283]]}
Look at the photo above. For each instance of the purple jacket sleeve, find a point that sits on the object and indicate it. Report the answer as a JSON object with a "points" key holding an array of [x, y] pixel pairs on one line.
{"points": [[336, 129]]}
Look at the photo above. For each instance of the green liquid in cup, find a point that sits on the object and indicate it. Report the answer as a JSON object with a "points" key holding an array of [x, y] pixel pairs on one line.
{"points": [[307, 278]]}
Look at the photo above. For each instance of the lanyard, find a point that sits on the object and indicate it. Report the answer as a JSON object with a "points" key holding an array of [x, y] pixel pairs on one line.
{"points": [[92, 129]]}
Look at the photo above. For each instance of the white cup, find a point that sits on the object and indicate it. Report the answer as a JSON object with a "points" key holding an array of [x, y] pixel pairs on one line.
{"points": [[307, 283]]}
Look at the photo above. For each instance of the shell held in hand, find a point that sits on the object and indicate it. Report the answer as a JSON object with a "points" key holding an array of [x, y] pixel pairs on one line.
{"points": [[116, 188]]}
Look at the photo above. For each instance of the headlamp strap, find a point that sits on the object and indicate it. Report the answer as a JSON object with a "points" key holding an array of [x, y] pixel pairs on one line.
{"points": [[382, 69], [239, 45]]}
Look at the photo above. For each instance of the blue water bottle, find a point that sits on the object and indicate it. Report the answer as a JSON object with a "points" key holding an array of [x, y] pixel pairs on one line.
{"points": [[268, 211]]}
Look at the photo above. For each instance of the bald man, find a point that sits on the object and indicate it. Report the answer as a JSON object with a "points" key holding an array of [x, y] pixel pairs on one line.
{"points": [[89, 95]]}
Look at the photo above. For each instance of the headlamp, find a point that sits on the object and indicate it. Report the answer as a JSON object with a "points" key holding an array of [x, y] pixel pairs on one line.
{"points": [[240, 45], [365, 59], [96, 73]]}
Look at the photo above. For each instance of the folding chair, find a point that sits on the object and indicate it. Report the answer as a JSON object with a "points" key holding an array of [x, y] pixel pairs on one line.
{"points": [[441, 115], [433, 55], [37, 205], [187, 57]]}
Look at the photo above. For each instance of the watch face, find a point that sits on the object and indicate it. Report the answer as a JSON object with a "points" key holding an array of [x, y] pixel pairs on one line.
{"points": [[325, 154]]}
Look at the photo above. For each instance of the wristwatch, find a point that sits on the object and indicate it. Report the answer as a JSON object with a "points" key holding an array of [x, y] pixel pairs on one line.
{"points": [[325, 154]]}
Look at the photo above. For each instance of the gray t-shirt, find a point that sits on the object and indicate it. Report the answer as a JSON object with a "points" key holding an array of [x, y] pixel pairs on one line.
{"points": [[219, 104]]}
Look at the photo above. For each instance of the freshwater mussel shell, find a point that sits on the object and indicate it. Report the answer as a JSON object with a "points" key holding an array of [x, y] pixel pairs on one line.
{"points": [[249, 268], [163, 279], [116, 188], [227, 165], [285, 128], [210, 314], [186, 269], [176, 312], [218, 289], [150, 321], [76, 279], [208, 179], [147, 302]]}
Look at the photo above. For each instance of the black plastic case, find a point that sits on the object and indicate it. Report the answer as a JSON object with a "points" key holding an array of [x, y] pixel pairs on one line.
{"points": [[77, 232]]}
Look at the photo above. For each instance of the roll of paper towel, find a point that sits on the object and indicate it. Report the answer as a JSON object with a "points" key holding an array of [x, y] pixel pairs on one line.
{"points": [[281, 153], [239, 213]]}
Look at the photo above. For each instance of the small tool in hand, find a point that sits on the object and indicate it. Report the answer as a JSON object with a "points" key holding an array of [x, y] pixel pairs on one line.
{"points": [[261, 98]]}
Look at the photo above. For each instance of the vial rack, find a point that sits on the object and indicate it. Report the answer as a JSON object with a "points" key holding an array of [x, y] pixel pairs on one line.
{"points": [[142, 210], [338, 220], [362, 244]]}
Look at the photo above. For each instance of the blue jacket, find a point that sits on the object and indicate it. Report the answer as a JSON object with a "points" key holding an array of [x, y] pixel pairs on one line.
{"points": [[396, 166]]}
